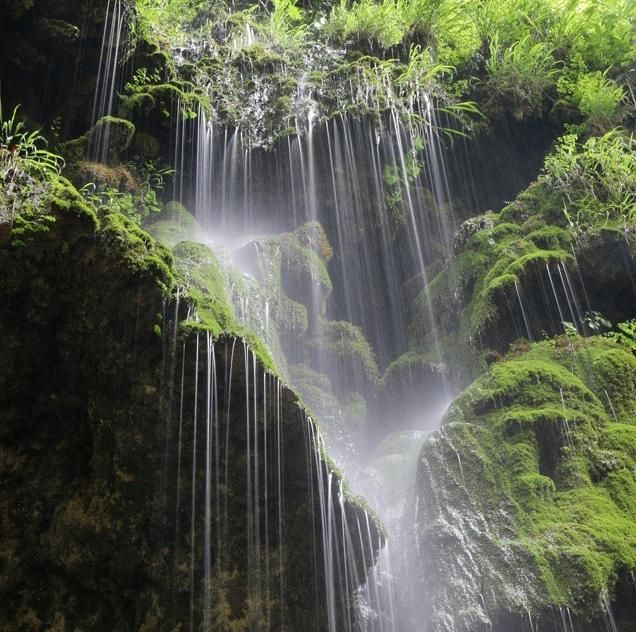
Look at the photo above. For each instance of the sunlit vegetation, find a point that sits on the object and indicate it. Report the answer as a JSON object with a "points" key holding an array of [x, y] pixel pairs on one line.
{"points": [[526, 58], [597, 179]]}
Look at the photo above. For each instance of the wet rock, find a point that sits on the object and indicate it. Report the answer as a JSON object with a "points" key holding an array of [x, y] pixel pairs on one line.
{"points": [[112, 133], [103, 420], [512, 488], [6, 222], [173, 225]]}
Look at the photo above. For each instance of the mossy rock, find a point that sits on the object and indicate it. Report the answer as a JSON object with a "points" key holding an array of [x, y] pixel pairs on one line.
{"points": [[173, 225], [317, 394], [304, 276], [537, 476], [82, 444], [58, 212], [527, 272], [412, 394], [145, 146], [113, 134], [294, 279], [6, 222], [115, 176], [313, 235], [200, 274], [341, 350], [59, 31]]}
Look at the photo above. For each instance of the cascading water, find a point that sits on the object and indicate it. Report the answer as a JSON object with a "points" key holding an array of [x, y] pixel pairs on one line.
{"points": [[364, 182], [323, 174], [253, 493], [471, 371], [380, 190], [335, 225], [114, 42]]}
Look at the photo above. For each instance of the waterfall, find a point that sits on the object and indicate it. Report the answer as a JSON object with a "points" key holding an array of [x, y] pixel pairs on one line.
{"points": [[257, 467], [114, 41], [379, 188], [371, 185]]}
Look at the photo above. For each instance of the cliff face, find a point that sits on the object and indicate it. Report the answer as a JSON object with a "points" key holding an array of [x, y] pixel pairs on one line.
{"points": [[144, 465], [49, 53]]}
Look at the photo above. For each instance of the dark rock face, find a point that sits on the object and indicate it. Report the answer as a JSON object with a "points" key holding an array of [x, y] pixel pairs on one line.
{"points": [[6, 219], [49, 55], [599, 280], [105, 459]]}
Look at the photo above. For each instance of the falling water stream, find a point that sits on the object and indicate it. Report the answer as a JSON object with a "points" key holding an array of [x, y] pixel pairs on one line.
{"points": [[326, 176], [114, 41], [236, 434]]}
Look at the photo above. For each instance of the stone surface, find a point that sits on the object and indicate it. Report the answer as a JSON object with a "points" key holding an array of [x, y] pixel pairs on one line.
{"points": [[99, 393]]}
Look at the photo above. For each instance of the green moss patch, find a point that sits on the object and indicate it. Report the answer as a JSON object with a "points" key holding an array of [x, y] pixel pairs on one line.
{"points": [[548, 461]]}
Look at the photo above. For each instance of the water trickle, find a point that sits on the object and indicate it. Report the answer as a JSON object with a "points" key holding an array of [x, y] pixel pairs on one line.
{"points": [[606, 609], [609, 401], [232, 421], [566, 423], [557, 302], [114, 41], [523, 313]]}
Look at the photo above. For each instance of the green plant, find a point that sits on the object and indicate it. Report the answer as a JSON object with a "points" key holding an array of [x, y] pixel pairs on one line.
{"points": [[380, 24], [625, 335], [521, 73], [287, 23], [137, 205], [164, 20], [602, 32], [597, 179], [596, 97], [21, 150]]}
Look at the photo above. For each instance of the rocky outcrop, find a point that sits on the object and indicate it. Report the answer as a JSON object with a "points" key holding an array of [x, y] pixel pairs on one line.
{"points": [[528, 273], [152, 475], [526, 514]]}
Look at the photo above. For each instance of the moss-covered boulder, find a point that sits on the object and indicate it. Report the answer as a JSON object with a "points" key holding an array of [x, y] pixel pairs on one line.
{"points": [[102, 176], [412, 394], [200, 274], [527, 272], [304, 276], [291, 268], [145, 146], [341, 350], [173, 225], [526, 493], [313, 235], [109, 138]]}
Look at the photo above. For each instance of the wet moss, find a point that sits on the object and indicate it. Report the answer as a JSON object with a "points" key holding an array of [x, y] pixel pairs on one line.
{"points": [[303, 273], [173, 225], [345, 349], [119, 132], [548, 467], [136, 248], [201, 278], [58, 203], [514, 274], [84, 172], [81, 451]]}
